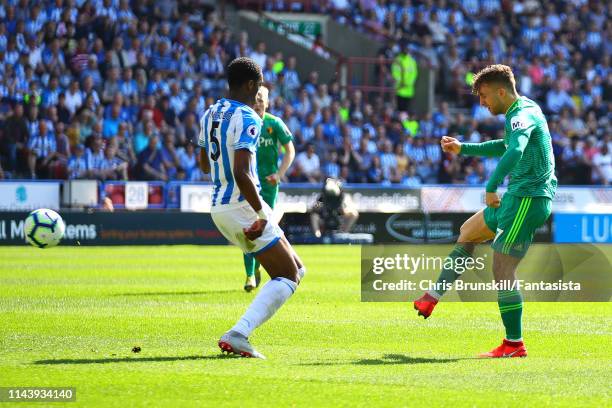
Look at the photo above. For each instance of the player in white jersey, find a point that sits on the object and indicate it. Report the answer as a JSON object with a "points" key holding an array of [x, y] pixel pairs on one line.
{"points": [[229, 131]]}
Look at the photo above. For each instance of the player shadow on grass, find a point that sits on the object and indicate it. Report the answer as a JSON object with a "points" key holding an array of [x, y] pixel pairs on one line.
{"points": [[198, 292], [128, 359], [390, 359], [403, 359]]}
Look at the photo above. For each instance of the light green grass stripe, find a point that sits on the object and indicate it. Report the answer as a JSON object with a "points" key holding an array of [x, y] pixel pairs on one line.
{"points": [[510, 308], [517, 223]]}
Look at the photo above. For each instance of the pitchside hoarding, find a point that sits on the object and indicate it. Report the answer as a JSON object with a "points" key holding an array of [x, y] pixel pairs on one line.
{"points": [[411, 228], [586, 228], [590, 200], [429, 199], [301, 199], [121, 228]]}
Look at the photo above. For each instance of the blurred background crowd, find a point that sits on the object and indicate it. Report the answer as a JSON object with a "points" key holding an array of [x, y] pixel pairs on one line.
{"points": [[113, 89]]}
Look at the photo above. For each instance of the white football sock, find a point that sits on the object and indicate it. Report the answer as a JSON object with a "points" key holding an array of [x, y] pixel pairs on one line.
{"points": [[302, 272], [269, 299], [434, 294]]}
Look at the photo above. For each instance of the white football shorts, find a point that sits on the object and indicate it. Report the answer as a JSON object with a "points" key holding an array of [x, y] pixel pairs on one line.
{"points": [[231, 221]]}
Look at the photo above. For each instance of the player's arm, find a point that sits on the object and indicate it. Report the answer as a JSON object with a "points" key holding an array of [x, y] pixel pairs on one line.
{"points": [[203, 143], [244, 149], [516, 146], [285, 138], [204, 162], [287, 159], [246, 184], [490, 148], [244, 180]]}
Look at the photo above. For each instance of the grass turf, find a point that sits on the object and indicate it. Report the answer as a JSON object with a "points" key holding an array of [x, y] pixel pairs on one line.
{"points": [[71, 315]]}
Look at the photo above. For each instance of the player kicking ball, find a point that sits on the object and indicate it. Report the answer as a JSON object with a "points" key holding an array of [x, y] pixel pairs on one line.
{"points": [[526, 155], [229, 132], [273, 135]]}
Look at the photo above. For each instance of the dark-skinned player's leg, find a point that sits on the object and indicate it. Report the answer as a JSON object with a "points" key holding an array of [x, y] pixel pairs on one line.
{"points": [[473, 231], [268, 193], [278, 260], [297, 260]]}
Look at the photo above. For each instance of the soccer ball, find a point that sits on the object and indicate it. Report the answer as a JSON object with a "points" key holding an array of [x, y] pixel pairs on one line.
{"points": [[44, 228]]}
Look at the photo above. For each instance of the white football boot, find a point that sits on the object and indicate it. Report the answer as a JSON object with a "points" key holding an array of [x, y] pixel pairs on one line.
{"points": [[235, 343]]}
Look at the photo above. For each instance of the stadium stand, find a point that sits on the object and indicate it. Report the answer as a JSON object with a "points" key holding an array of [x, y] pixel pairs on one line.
{"points": [[99, 89]]}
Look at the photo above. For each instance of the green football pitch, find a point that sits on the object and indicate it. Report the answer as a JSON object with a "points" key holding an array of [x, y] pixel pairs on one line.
{"points": [[70, 316]]}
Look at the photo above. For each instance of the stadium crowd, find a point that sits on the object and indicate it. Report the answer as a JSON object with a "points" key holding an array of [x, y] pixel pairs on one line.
{"points": [[113, 89]]}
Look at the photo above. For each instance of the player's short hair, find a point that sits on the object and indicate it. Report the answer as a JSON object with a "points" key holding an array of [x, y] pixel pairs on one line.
{"points": [[241, 70], [498, 73]]}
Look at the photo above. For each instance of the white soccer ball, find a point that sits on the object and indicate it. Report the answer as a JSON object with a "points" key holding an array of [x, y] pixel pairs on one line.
{"points": [[44, 228]]}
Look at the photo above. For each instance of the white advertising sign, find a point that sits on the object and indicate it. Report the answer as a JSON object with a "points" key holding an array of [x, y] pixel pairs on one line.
{"points": [[594, 200], [589, 200], [196, 198], [15, 196], [136, 195]]}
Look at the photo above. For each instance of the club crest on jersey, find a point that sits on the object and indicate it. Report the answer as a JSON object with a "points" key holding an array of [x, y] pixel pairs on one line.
{"points": [[253, 131], [517, 123]]}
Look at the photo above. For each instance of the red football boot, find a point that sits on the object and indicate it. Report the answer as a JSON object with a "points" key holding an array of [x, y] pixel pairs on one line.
{"points": [[507, 349], [425, 305]]}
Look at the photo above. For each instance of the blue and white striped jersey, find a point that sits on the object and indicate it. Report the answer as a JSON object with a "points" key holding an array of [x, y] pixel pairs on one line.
{"points": [[227, 126]]}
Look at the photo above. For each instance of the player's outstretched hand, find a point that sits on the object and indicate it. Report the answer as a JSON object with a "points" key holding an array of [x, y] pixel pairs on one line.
{"points": [[492, 200], [255, 230], [450, 145]]}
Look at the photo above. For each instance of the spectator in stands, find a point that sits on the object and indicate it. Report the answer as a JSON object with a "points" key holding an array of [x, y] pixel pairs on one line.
{"points": [[74, 97], [388, 162], [307, 130], [187, 132], [557, 99], [212, 68], [188, 161], [308, 165], [602, 166], [332, 168], [15, 136], [62, 151], [112, 167], [292, 79], [43, 150], [74, 68], [123, 145], [411, 179], [576, 168], [375, 173], [259, 54], [170, 155], [150, 161], [142, 139], [402, 161], [405, 73], [94, 155], [111, 125]]}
